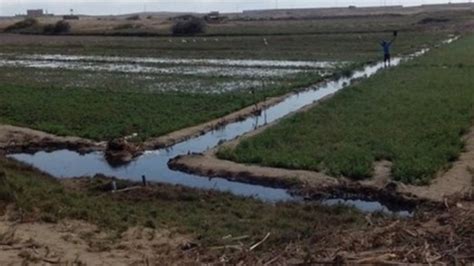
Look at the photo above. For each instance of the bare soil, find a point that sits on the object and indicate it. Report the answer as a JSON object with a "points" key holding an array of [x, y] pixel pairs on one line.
{"points": [[71, 242]]}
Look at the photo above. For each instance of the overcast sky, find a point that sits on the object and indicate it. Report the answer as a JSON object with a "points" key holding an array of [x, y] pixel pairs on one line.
{"points": [[106, 7]]}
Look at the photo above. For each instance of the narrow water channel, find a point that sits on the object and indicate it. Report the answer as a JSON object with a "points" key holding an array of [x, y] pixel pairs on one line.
{"points": [[153, 164]]}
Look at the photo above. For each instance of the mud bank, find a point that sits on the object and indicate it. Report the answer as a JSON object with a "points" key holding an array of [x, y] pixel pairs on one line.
{"points": [[307, 185], [17, 139], [210, 166]]}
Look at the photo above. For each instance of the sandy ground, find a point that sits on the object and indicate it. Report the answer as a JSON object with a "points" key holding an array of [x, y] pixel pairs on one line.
{"points": [[71, 242], [18, 139]]}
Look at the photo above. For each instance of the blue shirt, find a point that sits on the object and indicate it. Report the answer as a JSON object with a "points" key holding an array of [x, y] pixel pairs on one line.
{"points": [[386, 47]]}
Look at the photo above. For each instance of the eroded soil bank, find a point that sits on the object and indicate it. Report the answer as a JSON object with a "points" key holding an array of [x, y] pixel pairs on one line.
{"points": [[18, 139]]}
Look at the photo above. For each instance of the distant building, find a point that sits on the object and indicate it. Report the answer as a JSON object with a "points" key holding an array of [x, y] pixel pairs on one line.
{"points": [[34, 13]]}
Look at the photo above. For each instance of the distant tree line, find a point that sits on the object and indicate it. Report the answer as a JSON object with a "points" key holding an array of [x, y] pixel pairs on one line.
{"points": [[32, 26], [188, 25]]}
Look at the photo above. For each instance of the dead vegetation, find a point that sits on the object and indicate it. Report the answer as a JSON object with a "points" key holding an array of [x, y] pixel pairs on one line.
{"points": [[444, 237]]}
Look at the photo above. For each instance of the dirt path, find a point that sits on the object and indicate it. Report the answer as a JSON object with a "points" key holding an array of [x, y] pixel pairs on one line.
{"points": [[209, 165], [18, 139], [75, 242]]}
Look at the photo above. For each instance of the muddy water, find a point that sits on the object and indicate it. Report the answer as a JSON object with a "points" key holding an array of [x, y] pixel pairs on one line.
{"points": [[153, 164]]}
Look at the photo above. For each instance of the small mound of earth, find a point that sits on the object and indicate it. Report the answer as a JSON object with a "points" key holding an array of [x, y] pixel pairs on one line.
{"points": [[121, 152]]}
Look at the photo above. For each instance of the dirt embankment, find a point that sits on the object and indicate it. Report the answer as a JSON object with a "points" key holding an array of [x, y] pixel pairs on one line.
{"points": [[18, 139], [436, 237]]}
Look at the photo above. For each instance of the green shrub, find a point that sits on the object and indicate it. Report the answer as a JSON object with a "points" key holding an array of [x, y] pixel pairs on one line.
{"points": [[189, 26], [60, 27], [24, 25]]}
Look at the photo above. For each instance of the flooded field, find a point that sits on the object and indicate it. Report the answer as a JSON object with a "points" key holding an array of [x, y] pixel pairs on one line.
{"points": [[171, 61], [160, 74]]}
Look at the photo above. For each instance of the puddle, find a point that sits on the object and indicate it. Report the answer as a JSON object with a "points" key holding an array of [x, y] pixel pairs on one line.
{"points": [[153, 164]]}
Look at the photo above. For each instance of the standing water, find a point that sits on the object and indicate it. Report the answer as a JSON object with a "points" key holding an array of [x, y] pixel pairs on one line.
{"points": [[154, 164]]}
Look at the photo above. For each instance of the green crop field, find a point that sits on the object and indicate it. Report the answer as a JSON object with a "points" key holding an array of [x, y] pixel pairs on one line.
{"points": [[345, 46], [102, 104], [115, 91], [413, 115], [102, 114]]}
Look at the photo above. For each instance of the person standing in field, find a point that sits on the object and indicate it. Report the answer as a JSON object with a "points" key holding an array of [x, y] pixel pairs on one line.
{"points": [[386, 49]]}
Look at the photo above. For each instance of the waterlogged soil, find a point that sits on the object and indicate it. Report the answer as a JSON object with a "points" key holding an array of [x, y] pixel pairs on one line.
{"points": [[171, 61], [201, 67]]}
